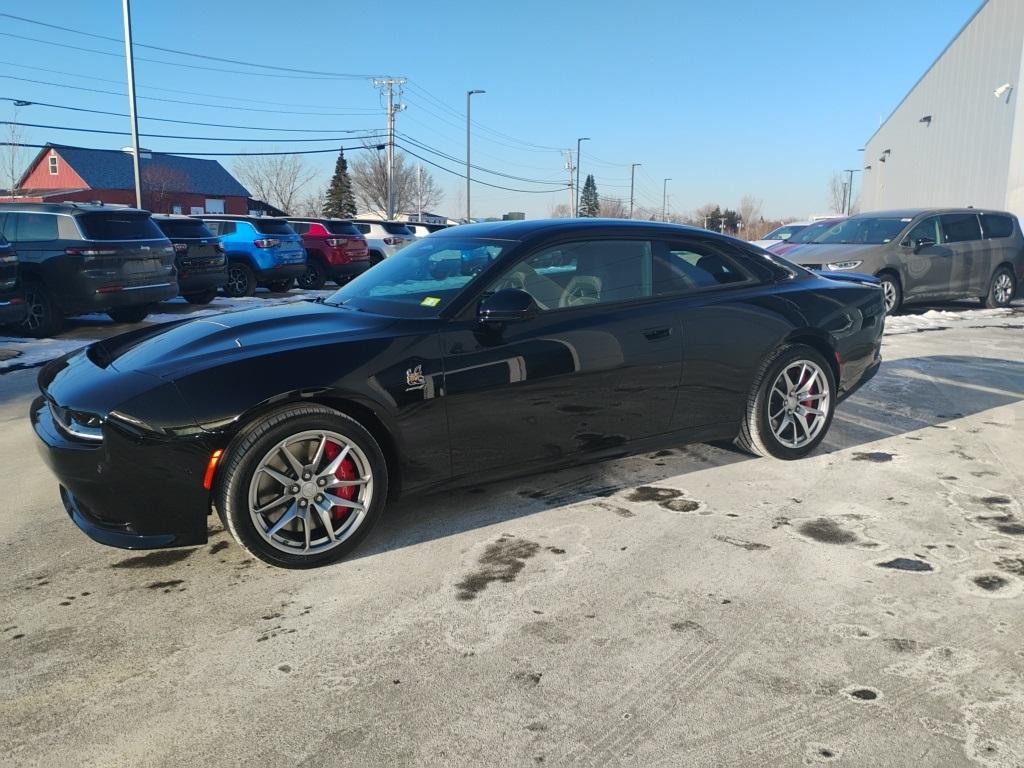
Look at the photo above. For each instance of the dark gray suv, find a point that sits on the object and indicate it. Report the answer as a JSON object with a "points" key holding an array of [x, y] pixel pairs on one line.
{"points": [[925, 255]]}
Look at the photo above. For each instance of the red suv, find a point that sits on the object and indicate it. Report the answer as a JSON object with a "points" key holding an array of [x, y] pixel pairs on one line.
{"points": [[335, 250]]}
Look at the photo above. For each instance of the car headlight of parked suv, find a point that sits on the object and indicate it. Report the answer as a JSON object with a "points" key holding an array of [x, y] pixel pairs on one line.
{"points": [[840, 266]]}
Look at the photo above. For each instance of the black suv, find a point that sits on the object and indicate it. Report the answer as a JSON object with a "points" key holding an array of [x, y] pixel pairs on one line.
{"points": [[78, 258], [12, 303], [198, 255]]}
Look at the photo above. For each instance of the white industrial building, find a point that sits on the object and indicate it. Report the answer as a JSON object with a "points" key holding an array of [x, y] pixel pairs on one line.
{"points": [[957, 138]]}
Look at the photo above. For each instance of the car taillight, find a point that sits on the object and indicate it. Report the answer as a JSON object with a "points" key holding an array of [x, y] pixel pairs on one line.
{"points": [[269, 242], [393, 240], [180, 247], [335, 242]]}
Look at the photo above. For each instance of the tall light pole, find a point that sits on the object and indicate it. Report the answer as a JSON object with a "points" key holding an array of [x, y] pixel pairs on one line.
{"points": [[130, 62], [849, 188], [664, 200], [468, 103], [632, 178], [578, 142]]}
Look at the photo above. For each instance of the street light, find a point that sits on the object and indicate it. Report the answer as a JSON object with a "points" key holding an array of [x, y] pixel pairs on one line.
{"points": [[468, 94], [664, 200], [578, 142], [632, 178], [849, 188]]}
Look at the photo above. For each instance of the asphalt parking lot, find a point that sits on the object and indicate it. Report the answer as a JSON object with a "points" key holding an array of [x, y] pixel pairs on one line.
{"points": [[685, 607]]}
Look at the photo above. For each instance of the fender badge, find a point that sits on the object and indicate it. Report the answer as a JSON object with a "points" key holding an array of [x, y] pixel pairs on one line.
{"points": [[414, 378]]}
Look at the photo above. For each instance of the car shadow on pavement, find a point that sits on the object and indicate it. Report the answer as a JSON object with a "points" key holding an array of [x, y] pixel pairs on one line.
{"points": [[908, 395]]}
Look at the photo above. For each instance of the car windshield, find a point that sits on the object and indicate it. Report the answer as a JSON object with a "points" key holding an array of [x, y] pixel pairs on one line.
{"points": [[421, 279], [273, 227], [784, 232], [809, 233], [395, 229], [119, 226], [870, 230], [341, 228]]}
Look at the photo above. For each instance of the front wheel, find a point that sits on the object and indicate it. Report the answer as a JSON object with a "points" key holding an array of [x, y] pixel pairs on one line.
{"points": [[893, 292], [1001, 289], [134, 314], [790, 407], [314, 277], [302, 486]]}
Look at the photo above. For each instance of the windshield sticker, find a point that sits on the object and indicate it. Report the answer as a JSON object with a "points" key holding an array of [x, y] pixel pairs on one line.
{"points": [[430, 301]]}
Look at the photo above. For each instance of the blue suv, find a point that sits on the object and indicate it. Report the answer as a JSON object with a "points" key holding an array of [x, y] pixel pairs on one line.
{"points": [[260, 251]]}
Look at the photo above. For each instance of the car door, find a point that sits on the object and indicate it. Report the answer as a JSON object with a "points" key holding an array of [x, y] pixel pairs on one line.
{"points": [[999, 244], [968, 268], [926, 262], [595, 367]]}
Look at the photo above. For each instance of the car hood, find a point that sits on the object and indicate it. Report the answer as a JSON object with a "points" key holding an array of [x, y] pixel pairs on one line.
{"points": [[178, 348], [823, 253]]}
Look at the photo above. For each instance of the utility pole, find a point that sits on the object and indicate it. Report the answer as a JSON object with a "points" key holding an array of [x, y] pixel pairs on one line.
{"points": [[419, 192], [632, 179], [389, 83], [571, 170], [576, 209], [664, 200], [721, 227], [468, 103], [130, 62]]}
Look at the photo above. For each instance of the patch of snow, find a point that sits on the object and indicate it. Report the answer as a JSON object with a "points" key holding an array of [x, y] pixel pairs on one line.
{"points": [[937, 320], [33, 352]]}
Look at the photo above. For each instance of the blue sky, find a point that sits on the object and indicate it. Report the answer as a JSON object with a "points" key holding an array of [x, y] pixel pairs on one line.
{"points": [[727, 98]]}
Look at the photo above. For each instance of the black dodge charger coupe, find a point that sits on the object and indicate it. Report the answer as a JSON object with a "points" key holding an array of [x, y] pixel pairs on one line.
{"points": [[482, 352]]}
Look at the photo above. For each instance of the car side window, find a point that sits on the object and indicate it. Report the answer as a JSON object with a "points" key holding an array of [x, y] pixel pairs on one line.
{"points": [[228, 227], [364, 228], [692, 266], [961, 227], [7, 226], [214, 227], [924, 230], [300, 227], [583, 273], [36, 227], [996, 226]]}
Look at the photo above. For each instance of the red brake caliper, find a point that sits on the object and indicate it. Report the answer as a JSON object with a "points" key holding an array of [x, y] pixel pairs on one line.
{"points": [[346, 471]]}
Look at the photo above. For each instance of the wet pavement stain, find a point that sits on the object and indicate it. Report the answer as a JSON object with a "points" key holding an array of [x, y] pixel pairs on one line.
{"points": [[863, 694], [220, 546], [685, 626], [680, 505], [620, 511], [995, 501], [750, 546], [906, 564], [166, 586], [157, 559], [501, 561], [990, 582], [901, 644], [1011, 529], [527, 679], [1014, 565], [876, 457], [652, 493], [827, 532]]}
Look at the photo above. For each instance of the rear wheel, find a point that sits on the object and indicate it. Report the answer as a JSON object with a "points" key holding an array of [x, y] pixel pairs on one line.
{"points": [[203, 297], [43, 317], [1001, 288], [314, 277], [893, 292], [302, 486], [241, 280], [790, 407], [130, 314], [281, 286]]}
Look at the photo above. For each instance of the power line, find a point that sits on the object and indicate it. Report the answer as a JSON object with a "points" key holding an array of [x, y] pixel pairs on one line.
{"points": [[439, 153], [187, 138], [190, 153], [484, 183], [179, 52]]}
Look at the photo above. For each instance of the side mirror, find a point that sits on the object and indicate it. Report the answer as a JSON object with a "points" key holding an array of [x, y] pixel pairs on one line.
{"points": [[507, 306], [923, 242]]}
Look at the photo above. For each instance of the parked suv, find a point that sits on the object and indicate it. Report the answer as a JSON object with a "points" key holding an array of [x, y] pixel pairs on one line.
{"points": [[420, 229], [12, 303], [76, 258], [260, 251], [926, 255], [384, 238], [198, 256], [335, 250]]}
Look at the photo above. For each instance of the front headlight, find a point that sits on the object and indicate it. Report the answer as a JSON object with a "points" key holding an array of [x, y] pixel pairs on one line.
{"points": [[841, 266]]}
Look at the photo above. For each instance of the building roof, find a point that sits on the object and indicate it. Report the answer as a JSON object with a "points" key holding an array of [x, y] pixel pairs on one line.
{"points": [[112, 169]]}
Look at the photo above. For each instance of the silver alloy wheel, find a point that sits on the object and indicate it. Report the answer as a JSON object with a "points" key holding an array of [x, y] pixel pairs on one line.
{"points": [[1003, 289], [798, 403], [293, 494], [237, 281], [34, 311], [889, 289]]}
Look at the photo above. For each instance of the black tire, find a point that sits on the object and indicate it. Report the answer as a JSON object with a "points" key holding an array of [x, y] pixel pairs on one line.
{"points": [[281, 286], [134, 314], [756, 434], [241, 280], [314, 277], [996, 296], [44, 317], [203, 297], [247, 450], [891, 282]]}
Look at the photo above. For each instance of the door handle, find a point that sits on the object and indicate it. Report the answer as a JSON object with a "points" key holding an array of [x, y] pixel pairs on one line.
{"points": [[656, 334]]}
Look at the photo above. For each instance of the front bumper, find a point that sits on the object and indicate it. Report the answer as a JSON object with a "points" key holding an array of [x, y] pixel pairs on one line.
{"points": [[126, 491], [12, 311]]}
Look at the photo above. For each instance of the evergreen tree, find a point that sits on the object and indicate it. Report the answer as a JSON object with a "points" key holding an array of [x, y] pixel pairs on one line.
{"points": [[341, 203], [590, 203]]}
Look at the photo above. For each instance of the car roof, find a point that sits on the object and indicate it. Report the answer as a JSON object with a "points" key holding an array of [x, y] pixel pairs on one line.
{"points": [[174, 217], [905, 213], [379, 221], [70, 208], [529, 229], [313, 219]]}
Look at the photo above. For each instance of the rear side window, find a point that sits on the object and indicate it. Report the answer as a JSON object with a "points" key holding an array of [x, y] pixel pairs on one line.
{"points": [[363, 228], [961, 227], [272, 227], [997, 226], [32, 227], [692, 266], [184, 228], [396, 229], [119, 226], [342, 228], [300, 227]]}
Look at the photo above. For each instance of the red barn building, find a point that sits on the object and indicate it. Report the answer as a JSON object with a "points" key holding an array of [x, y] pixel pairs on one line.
{"points": [[170, 183]]}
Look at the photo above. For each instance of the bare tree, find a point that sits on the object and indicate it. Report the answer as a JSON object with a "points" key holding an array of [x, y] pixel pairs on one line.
{"points": [[15, 155], [315, 203], [750, 211], [613, 208], [836, 192], [702, 217], [159, 184], [370, 183], [275, 179], [561, 211]]}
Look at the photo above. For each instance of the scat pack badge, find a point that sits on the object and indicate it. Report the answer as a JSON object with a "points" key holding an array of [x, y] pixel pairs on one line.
{"points": [[414, 379]]}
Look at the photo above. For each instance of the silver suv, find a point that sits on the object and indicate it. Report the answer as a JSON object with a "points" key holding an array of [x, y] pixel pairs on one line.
{"points": [[384, 238], [925, 255]]}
